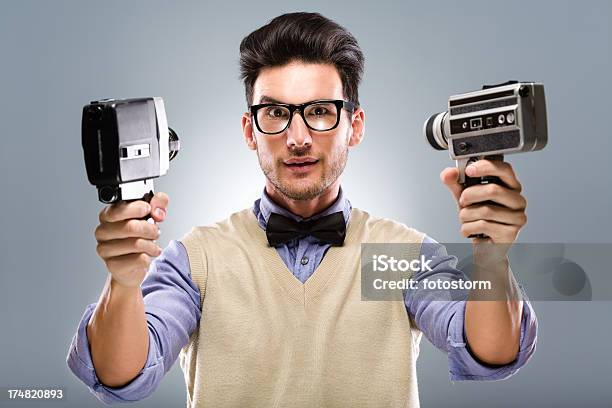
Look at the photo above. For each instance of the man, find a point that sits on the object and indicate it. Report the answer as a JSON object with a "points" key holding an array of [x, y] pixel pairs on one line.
{"points": [[265, 307]]}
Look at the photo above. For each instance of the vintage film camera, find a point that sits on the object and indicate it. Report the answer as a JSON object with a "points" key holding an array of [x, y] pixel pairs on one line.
{"points": [[486, 124], [126, 144], [499, 119]]}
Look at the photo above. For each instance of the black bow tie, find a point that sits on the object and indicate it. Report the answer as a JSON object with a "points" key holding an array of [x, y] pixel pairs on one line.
{"points": [[330, 229]]}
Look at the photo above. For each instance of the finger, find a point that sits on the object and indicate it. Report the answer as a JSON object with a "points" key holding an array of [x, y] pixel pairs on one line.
{"points": [[498, 233], [123, 211], [492, 212], [126, 264], [492, 192], [450, 178], [159, 206], [496, 168], [126, 229], [117, 247]]}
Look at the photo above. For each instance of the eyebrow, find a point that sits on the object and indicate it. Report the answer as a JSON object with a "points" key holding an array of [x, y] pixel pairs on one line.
{"points": [[268, 99]]}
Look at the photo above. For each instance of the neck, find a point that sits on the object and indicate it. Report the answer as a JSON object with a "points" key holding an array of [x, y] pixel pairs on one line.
{"points": [[305, 208]]}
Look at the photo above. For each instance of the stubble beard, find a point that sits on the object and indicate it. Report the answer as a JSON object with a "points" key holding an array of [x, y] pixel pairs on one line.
{"points": [[306, 190]]}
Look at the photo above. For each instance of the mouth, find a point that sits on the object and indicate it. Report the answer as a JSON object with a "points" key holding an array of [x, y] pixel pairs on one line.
{"points": [[301, 163]]}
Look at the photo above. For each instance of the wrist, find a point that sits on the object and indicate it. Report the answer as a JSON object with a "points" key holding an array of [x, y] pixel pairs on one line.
{"points": [[123, 285], [120, 292]]}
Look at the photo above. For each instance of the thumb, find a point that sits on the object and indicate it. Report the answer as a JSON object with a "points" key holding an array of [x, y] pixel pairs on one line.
{"points": [[159, 206], [450, 178]]}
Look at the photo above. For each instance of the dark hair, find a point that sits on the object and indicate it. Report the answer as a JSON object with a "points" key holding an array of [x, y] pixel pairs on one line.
{"points": [[306, 37]]}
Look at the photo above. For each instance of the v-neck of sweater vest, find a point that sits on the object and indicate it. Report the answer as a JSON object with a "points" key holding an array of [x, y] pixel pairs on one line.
{"points": [[334, 257]]}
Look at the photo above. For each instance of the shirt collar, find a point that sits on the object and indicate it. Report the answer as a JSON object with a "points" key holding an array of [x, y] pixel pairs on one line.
{"points": [[264, 206]]}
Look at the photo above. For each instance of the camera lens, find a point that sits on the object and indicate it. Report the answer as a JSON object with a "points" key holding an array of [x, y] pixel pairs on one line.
{"points": [[173, 143], [108, 194], [433, 129]]}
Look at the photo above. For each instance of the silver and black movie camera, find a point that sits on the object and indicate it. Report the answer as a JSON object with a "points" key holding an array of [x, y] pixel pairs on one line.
{"points": [[126, 144], [497, 120], [487, 124]]}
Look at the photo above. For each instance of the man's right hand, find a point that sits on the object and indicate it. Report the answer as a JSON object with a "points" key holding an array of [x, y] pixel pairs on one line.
{"points": [[126, 242]]}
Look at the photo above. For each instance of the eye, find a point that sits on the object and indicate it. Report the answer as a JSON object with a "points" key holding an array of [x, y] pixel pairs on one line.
{"points": [[318, 111], [321, 110], [276, 112]]}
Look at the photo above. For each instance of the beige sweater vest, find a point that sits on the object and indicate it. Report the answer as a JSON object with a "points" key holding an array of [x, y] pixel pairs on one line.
{"points": [[267, 340]]}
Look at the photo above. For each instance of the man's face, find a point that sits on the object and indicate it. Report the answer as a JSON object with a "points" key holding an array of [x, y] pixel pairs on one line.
{"points": [[301, 163]]}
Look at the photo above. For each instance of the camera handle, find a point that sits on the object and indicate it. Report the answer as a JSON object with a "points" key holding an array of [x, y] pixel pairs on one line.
{"points": [[472, 181], [146, 198], [128, 192]]}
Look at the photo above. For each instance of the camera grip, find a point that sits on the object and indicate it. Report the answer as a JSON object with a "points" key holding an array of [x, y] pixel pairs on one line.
{"points": [[147, 198], [472, 181]]}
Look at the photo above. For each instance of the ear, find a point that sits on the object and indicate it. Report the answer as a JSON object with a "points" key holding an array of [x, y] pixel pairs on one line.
{"points": [[248, 131], [358, 125]]}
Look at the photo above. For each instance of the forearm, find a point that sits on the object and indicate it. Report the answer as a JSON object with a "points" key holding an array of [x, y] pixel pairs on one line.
{"points": [[493, 327], [118, 334]]}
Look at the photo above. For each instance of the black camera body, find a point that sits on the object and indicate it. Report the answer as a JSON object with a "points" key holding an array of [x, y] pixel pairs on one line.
{"points": [[126, 144], [489, 123]]}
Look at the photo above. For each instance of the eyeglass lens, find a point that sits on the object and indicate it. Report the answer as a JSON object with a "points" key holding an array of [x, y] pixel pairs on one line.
{"points": [[319, 116]]}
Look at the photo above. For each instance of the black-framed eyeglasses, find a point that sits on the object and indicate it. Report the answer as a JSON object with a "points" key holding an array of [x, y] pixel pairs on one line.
{"points": [[320, 115]]}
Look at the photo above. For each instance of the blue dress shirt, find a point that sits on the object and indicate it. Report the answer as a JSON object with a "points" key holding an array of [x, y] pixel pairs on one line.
{"points": [[172, 307]]}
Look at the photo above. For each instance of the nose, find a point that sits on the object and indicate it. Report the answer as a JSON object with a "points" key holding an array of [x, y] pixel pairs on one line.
{"points": [[298, 133]]}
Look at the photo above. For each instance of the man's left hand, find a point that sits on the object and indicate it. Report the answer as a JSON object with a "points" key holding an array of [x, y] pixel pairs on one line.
{"points": [[503, 216]]}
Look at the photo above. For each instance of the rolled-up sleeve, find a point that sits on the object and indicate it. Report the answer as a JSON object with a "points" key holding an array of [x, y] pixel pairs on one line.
{"points": [[462, 363], [442, 319], [80, 362], [172, 308]]}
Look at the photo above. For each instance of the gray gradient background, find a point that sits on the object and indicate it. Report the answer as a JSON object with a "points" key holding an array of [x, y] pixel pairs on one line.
{"points": [[57, 56]]}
